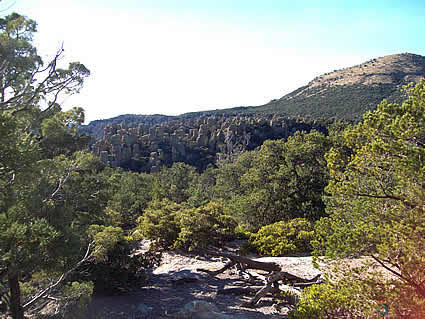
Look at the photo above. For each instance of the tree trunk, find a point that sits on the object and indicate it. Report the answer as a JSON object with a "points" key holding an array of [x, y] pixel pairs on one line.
{"points": [[246, 262], [271, 280], [15, 297]]}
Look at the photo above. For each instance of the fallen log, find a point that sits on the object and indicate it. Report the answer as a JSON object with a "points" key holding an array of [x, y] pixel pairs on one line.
{"points": [[291, 283], [247, 263], [228, 265], [272, 286], [283, 275]]}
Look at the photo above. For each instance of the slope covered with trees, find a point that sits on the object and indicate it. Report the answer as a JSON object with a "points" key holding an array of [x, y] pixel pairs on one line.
{"points": [[345, 94], [350, 92]]}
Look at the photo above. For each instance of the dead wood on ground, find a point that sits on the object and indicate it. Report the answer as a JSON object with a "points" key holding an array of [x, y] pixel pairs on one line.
{"points": [[275, 281]]}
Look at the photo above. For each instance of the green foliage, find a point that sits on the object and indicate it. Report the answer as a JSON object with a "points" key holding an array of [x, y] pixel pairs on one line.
{"points": [[284, 238], [159, 223], [170, 225], [203, 226], [130, 194], [241, 232], [330, 300], [18, 149], [60, 133], [283, 180], [105, 239], [113, 267], [174, 183], [41, 226], [228, 180], [55, 199], [202, 191], [85, 191], [347, 102], [116, 270], [377, 198], [16, 35]]}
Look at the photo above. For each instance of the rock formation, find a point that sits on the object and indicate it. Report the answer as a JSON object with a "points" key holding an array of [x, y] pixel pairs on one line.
{"points": [[199, 141]]}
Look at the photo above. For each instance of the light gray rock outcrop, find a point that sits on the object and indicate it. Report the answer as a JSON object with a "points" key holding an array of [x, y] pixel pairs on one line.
{"points": [[199, 309]]}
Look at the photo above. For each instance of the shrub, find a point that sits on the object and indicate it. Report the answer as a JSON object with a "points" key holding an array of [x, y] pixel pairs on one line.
{"points": [[159, 223], [284, 238], [333, 300], [118, 271], [203, 226], [171, 226], [113, 267]]}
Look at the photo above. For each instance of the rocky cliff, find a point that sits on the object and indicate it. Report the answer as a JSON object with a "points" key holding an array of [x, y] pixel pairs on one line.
{"points": [[198, 141]]}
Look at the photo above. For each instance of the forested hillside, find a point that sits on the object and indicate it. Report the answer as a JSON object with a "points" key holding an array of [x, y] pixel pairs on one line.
{"points": [[348, 93], [343, 94]]}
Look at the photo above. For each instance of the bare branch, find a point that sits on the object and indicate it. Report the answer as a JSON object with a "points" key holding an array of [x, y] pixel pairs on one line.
{"points": [[45, 291], [28, 94], [10, 182], [60, 185], [271, 280], [389, 269]]}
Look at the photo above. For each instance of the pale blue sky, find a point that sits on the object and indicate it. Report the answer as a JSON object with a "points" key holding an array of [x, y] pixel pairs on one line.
{"points": [[176, 56]]}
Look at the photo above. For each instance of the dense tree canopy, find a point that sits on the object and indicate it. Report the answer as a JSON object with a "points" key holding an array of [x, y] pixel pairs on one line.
{"points": [[129, 194], [286, 180], [37, 219], [174, 183], [376, 202]]}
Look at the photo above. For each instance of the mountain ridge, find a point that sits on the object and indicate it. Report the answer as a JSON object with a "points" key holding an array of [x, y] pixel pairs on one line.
{"points": [[407, 60], [145, 143], [349, 92], [345, 93]]}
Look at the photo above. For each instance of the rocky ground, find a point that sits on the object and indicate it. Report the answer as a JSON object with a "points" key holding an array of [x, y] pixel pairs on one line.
{"points": [[177, 282]]}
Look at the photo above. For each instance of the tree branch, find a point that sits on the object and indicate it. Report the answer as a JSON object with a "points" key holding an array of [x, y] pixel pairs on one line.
{"points": [[45, 291], [60, 185], [409, 204], [389, 269], [10, 182]]}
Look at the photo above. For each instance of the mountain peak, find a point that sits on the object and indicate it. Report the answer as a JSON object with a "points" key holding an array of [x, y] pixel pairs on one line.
{"points": [[392, 69], [349, 92]]}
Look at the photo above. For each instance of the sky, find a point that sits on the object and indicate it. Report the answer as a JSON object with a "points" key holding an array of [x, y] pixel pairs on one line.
{"points": [[177, 56]]}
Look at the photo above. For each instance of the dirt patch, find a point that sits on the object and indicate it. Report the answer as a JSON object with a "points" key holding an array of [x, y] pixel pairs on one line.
{"points": [[177, 282]]}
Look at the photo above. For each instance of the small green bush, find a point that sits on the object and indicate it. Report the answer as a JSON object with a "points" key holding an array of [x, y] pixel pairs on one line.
{"points": [[171, 226], [113, 267], [160, 224], [203, 226], [332, 300], [242, 233], [284, 238]]}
